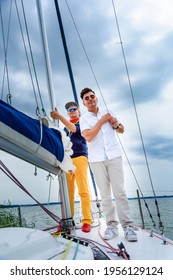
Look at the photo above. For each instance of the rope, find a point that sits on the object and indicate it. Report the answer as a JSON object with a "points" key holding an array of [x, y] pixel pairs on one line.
{"points": [[111, 248], [32, 58], [14, 179], [67, 249], [26, 53], [95, 243], [114, 250], [41, 135], [76, 250], [27, 57]]}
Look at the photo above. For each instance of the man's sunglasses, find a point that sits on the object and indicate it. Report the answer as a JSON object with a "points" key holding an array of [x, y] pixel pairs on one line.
{"points": [[92, 96], [71, 109]]}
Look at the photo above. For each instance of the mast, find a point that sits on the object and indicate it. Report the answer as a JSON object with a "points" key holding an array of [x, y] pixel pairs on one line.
{"points": [[64, 194], [70, 72], [46, 54]]}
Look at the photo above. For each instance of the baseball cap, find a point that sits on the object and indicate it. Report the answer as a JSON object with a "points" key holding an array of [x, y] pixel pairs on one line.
{"points": [[71, 103]]}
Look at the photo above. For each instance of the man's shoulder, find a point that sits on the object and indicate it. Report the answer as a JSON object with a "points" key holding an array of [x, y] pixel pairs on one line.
{"points": [[84, 115]]}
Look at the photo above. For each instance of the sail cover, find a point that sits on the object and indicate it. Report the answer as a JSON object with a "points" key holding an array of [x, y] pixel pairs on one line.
{"points": [[33, 141]]}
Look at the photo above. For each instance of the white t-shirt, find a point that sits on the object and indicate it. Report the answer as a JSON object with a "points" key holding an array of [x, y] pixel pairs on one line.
{"points": [[105, 145]]}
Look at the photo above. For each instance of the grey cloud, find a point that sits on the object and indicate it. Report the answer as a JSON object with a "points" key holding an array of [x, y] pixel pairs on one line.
{"points": [[157, 147]]}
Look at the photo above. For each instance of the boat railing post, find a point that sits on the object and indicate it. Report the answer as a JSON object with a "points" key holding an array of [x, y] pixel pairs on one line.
{"points": [[140, 209], [20, 216]]}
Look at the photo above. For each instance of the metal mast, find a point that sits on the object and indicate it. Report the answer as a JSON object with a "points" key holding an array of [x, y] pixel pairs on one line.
{"points": [[66, 209]]}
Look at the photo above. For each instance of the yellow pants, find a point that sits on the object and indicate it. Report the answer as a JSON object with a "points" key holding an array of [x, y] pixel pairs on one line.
{"points": [[81, 177]]}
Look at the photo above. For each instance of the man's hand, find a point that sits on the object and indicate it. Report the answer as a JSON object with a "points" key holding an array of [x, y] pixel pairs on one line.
{"points": [[113, 122], [55, 114]]}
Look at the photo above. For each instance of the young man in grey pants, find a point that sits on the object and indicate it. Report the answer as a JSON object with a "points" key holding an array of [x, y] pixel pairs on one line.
{"points": [[105, 157]]}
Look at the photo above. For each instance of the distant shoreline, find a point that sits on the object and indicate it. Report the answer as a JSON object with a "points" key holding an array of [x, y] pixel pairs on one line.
{"points": [[57, 203]]}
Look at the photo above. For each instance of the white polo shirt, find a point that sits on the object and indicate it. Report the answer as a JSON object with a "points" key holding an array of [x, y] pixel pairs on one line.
{"points": [[105, 145]]}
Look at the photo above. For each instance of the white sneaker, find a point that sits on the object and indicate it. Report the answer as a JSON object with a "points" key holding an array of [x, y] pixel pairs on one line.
{"points": [[130, 234], [110, 233]]}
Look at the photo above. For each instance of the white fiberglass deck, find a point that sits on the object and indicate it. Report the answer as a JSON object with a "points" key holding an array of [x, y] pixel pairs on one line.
{"points": [[21, 243]]}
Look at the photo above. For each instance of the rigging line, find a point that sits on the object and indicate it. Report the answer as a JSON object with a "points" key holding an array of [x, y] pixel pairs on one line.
{"points": [[131, 91], [27, 57], [32, 58], [86, 54], [100, 89], [146, 205], [92, 70], [94, 242], [15, 180], [97, 81], [95, 76], [5, 50], [113, 249], [137, 118]]}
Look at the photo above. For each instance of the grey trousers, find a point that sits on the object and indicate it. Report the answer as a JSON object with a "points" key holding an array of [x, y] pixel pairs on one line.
{"points": [[109, 179]]}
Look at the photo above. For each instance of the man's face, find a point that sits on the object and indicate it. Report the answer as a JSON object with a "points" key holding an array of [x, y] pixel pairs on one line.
{"points": [[90, 100], [73, 112]]}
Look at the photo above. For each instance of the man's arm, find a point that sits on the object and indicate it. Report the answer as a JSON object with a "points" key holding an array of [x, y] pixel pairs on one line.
{"points": [[90, 134], [55, 115]]}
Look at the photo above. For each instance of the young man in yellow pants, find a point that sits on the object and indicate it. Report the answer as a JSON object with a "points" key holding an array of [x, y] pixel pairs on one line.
{"points": [[80, 160]]}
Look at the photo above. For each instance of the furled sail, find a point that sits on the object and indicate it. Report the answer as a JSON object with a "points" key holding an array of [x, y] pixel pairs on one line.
{"points": [[34, 142]]}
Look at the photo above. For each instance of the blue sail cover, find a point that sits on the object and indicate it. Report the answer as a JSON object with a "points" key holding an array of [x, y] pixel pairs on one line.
{"points": [[30, 128]]}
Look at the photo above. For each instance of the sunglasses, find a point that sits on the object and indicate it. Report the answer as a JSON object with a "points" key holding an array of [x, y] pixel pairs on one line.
{"points": [[92, 96], [71, 109]]}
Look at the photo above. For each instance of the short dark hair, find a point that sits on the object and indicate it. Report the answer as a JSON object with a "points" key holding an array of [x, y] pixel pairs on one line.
{"points": [[71, 103], [84, 91]]}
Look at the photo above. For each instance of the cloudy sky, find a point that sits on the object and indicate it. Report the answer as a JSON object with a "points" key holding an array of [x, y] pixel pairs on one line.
{"points": [[142, 101]]}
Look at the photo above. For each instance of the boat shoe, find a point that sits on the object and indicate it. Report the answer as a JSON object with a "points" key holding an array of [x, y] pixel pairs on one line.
{"points": [[130, 234], [86, 228], [110, 233]]}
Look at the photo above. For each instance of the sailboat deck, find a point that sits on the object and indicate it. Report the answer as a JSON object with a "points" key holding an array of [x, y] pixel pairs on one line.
{"points": [[146, 248], [33, 244]]}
